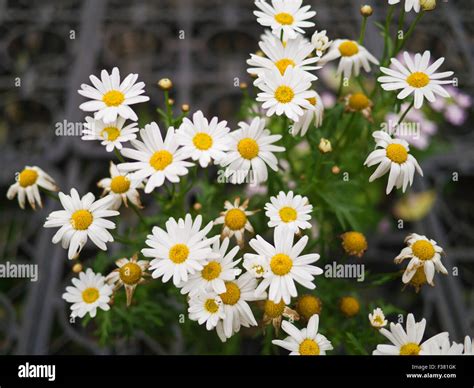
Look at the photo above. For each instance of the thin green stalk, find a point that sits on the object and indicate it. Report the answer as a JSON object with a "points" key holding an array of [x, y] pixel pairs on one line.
{"points": [[49, 193], [119, 155], [138, 213], [362, 30], [409, 32], [402, 117], [401, 22], [341, 85], [388, 21]]}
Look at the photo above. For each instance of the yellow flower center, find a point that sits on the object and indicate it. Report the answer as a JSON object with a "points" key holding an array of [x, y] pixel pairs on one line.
{"points": [[113, 98], [259, 270], [248, 148], [235, 219], [81, 219], [130, 273], [232, 294], [308, 305], [359, 101], [110, 133], [423, 249], [309, 347], [274, 310], [284, 18], [282, 64], [354, 243], [287, 214], [284, 94], [418, 79], [378, 319], [90, 295], [211, 271], [397, 153], [27, 177], [179, 253], [349, 306], [202, 141], [410, 349], [312, 100], [348, 48], [161, 159], [120, 184], [419, 278], [211, 306], [281, 264]]}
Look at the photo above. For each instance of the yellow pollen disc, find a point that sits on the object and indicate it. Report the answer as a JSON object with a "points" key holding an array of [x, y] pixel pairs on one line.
{"points": [[179, 253], [81, 219], [419, 278], [202, 141], [232, 294], [354, 243], [410, 349], [161, 159], [418, 79], [259, 270], [309, 347], [235, 219], [348, 48], [211, 271], [287, 214], [397, 153], [90, 295], [281, 264], [378, 319], [211, 306], [110, 133], [130, 273], [27, 177], [284, 94], [423, 249], [119, 184], [359, 101], [274, 310], [113, 98], [312, 101], [284, 18], [349, 306], [308, 305], [248, 148], [282, 64]]}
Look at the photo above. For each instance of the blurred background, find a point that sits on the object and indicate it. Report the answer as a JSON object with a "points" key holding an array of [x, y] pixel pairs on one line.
{"points": [[51, 47]]}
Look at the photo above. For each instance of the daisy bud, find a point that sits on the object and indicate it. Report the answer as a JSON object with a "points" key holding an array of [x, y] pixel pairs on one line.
{"points": [[170, 101], [349, 306], [165, 84], [243, 85], [76, 268], [185, 108], [335, 170], [366, 10], [197, 206], [325, 146], [428, 5]]}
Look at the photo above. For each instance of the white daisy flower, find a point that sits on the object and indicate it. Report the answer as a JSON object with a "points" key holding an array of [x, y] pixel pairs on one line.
{"points": [[121, 188], [286, 18], [312, 115], [157, 159], [417, 76], [180, 250], [215, 272], [445, 348], [206, 308], [286, 265], [27, 185], [352, 56], [423, 253], [89, 293], [257, 266], [235, 220], [82, 218], [408, 343], [409, 4], [468, 348], [304, 342], [203, 140], [287, 94], [112, 134], [377, 318], [392, 155], [236, 309], [111, 98], [278, 55], [251, 148], [320, 42], [130, 273], [289, 211]]}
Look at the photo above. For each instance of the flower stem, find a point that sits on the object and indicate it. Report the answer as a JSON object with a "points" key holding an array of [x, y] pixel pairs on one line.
{"points": [[138, 213], [49, 193], [402, 117], [388, 21], [119, 155], [401, 21], [362, 30], [341, 85], [409, 32]]}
